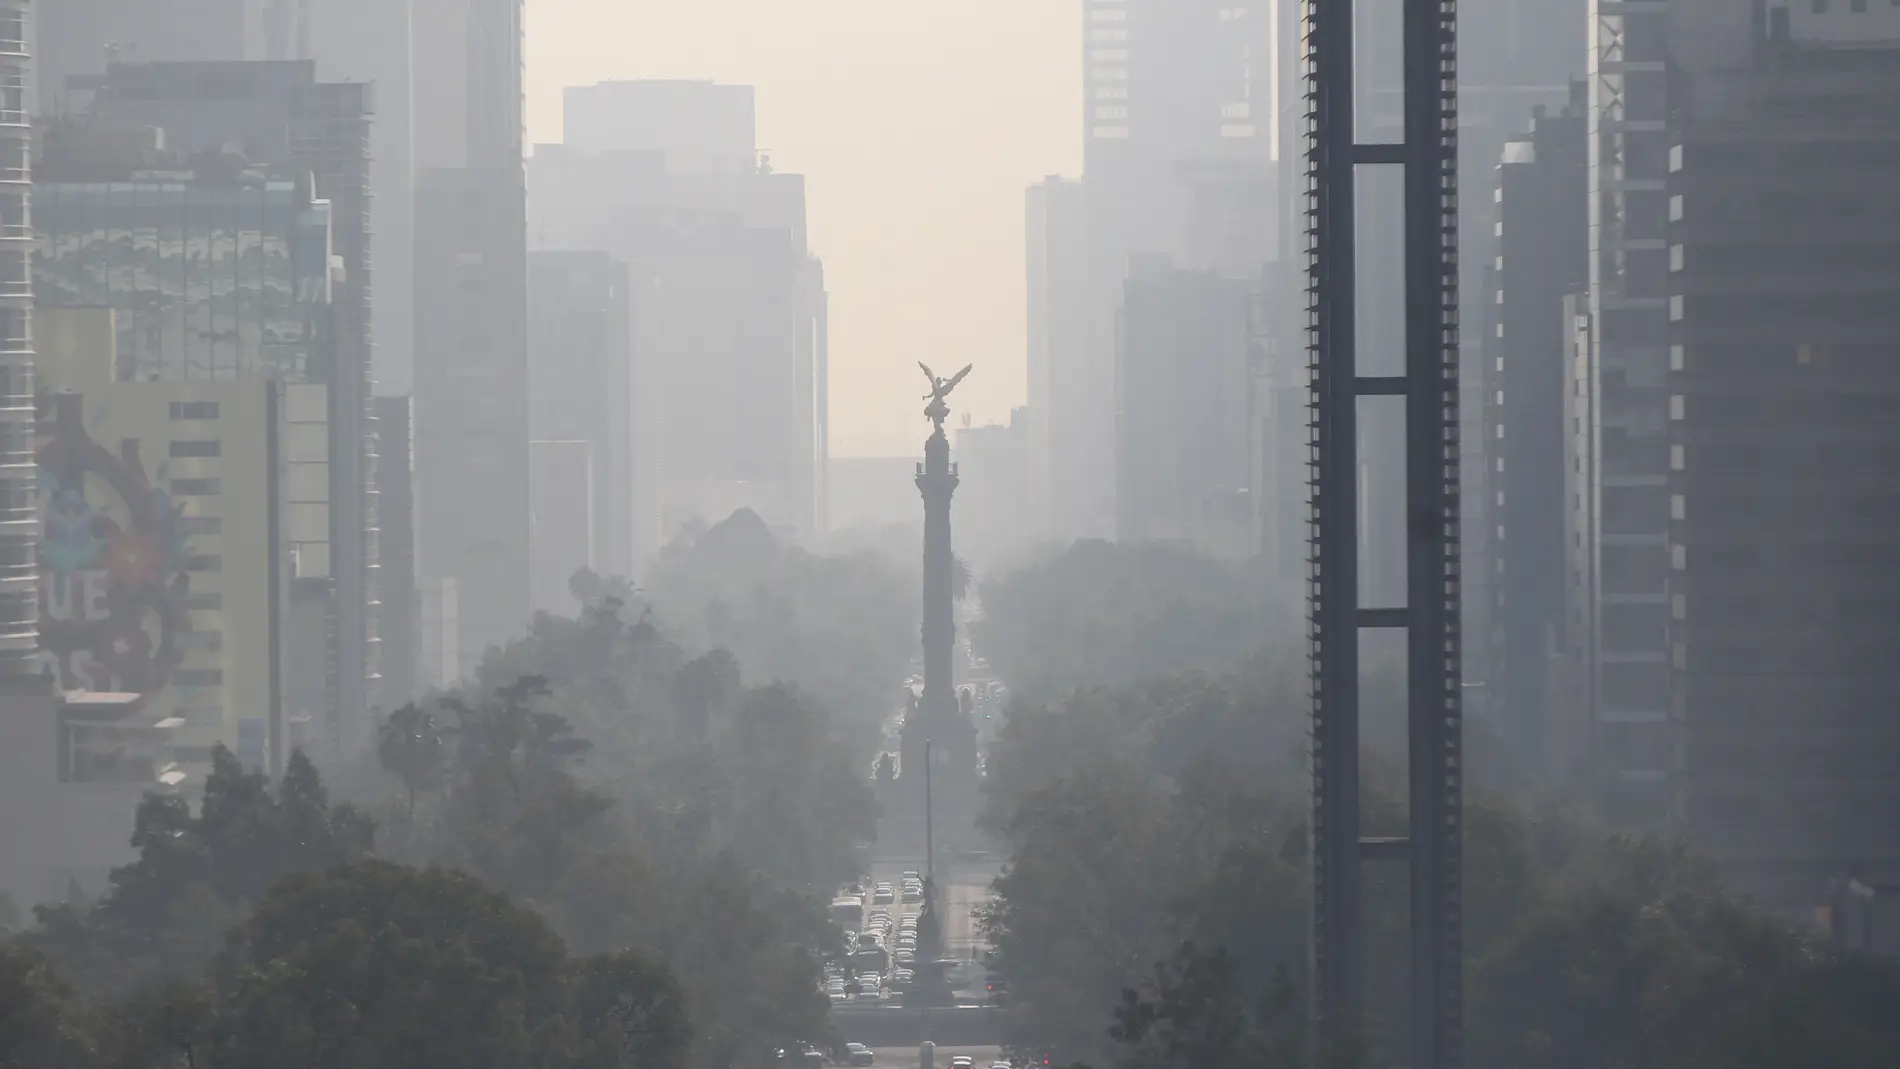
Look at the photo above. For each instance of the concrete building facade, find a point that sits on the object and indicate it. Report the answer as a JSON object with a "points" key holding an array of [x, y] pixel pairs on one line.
{"points": [[1783, 444], [1056, 213], [562, 512], [202, 577], [1183, 430], [471, 399], [1178, 148], [1625, 604], [994, 494], [470, 344], [580, 385], [1541, 253], [731, 330]]}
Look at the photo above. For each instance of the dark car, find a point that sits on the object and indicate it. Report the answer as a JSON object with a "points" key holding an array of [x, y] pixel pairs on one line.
{"points": [[858, 1054]]}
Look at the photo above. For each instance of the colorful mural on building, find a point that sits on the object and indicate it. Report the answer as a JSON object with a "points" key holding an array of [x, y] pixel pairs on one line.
{"points": [[113, 560]]}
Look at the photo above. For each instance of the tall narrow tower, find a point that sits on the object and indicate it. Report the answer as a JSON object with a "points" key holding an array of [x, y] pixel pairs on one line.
{"points": [[19, 519], [940, 720], [1427, 157]]}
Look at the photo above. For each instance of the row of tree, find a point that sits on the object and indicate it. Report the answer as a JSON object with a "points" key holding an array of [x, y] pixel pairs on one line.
{"points": [[1155, 912], [611, 848]]}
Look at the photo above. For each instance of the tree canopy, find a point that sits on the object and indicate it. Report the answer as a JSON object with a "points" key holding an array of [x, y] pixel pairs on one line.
{"points": [[1100, 614], [1155, 912], [165, 914], [840, 628]]}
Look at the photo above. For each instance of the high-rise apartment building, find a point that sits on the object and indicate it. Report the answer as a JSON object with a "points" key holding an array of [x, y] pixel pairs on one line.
{"points": [[1541, 252], [1782, 431], [114, 200], [1186, 354], [471, 426], [580, 385], [472, 398], [734, 361], [1625, 605], [1056, 213]]}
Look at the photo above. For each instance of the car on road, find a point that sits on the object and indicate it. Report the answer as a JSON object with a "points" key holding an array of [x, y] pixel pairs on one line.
{"points": [[858, 1054], [963, 1061], [912, 874]]}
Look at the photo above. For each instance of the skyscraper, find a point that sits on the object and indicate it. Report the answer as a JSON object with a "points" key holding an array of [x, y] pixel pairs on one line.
{"points": [[1780, 491], [1626, 602], [370, 41], [19, 519], [1185, 348], [1177, 162], [580, 389], [471, 313], [734, 361], [286, 120], [1541, 250], [1059, 381]]}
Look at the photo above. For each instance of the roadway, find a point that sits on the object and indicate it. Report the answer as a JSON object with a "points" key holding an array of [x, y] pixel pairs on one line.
{"points": [[906, 1057]]}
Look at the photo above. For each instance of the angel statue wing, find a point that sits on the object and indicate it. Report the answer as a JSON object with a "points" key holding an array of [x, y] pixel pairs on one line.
{"points": [[956, 378]]}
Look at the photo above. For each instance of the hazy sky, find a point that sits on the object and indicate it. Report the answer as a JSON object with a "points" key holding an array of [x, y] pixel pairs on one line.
{"points": [[918, 125]]}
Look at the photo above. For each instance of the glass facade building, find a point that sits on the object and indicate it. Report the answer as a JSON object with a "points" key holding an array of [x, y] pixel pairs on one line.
{"points": [[226, 279], [19, 517]]}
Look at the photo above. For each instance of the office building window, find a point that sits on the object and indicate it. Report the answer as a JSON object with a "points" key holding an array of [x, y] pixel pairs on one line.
{"points": [[194, 410], [196, 449], [204, 602], [199, 677], [205, 562], [201, 716], [201, 640], [195, 487], [200, 525]]}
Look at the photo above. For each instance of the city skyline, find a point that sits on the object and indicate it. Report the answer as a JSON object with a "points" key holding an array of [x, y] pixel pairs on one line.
{"points": [[907, 285]]}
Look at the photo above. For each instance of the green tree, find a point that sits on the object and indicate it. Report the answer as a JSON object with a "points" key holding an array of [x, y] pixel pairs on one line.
{"points": [[1195, 1009], [377, 965], [164, 914], [44, 1023], [410, 747]]}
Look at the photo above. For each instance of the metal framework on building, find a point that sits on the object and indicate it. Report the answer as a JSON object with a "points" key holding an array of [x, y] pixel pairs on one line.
{"points": [[1429, 157]]}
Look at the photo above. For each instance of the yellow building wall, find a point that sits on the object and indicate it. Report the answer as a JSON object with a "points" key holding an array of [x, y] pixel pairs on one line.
{"points": [[160, 503]]}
